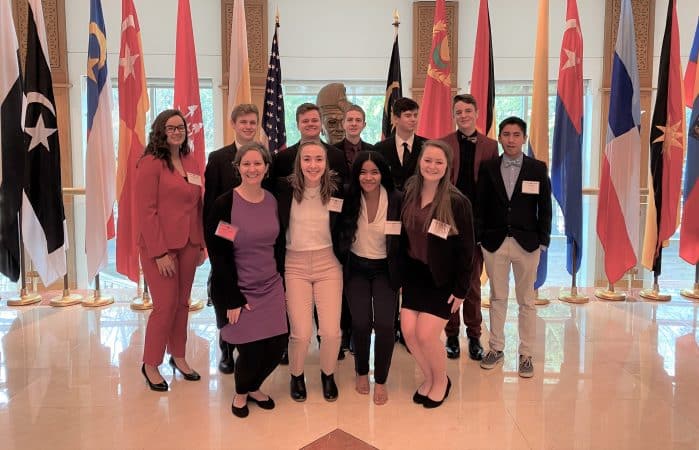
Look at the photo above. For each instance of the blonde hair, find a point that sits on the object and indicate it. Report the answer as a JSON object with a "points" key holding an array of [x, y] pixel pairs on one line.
{"points": [[328, 185], [441, 205]]}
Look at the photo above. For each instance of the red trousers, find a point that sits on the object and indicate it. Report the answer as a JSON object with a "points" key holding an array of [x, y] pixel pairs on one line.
{"points": [[472, 304], [167, 324]]}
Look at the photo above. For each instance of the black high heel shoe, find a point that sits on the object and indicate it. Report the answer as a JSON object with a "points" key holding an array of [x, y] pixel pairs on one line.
{"points": [[158, 387], [429, 403], [191, 376]]}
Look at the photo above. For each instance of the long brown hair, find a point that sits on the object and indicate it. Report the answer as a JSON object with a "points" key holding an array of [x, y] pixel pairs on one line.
{"points": [[157, 139], [328, 185], [441, 205]]}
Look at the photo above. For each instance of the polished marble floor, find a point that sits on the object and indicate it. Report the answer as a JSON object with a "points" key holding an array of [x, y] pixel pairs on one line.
{"points": [[607, 375]]}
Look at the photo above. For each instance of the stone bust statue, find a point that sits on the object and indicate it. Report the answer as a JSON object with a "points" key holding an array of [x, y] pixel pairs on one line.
{"points": [[332, 101]]}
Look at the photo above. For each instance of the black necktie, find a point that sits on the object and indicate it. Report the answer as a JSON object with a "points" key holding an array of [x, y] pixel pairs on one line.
{"points": [[406, 152]]}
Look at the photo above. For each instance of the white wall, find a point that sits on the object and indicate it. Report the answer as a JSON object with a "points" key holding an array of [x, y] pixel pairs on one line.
{"points": [[332, 40]]}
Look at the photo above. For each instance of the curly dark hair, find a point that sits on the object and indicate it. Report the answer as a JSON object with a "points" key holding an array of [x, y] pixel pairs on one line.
{"points": [[157, 138], [352, 202]]}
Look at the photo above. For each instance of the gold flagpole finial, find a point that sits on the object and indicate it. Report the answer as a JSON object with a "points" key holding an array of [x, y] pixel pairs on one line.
{"points": [[276, 15]]}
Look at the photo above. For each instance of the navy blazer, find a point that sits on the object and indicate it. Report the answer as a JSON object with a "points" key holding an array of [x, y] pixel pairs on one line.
{"points": [[525, 217], [400, 172], [219, 176]]}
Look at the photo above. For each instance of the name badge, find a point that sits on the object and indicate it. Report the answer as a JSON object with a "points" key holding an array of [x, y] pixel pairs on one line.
{"points": [[226, 231], [335, 204], [392, 227], [439, 229], [194, 179], [530, 187]]}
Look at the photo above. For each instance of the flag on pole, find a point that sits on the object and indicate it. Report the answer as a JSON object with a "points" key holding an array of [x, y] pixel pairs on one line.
{"points": [[566, 167], [539, 122], [187, 97], [100, 171], [12, 144], [666, 148], [435, 118], [482, 76], [689, 231], [133, 105], [394, 88], [238, 66], [273, 111], [43, 220], [618, 211]]}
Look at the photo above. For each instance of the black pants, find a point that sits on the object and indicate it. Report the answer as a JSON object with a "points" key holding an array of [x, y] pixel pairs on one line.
{"points": [[372, 302], [256, 360]]}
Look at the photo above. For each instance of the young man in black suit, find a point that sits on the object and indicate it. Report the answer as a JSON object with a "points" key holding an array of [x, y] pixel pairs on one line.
{"points": [[353, 122], [309, 125], [471, 149], [402, 150], [513, 226], [220, 178]]}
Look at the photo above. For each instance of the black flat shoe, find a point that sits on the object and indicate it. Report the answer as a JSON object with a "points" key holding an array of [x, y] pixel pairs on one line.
{"points": [[240, 412], [429, 403], [419, 398], [329, 387], [452, 346], [475, 349], [264, 404], [297, 388], [191, 376], [158, 387]]}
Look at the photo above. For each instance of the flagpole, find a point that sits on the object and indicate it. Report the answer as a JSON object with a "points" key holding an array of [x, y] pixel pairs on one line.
{"points": [[396, 22], [610, 294], [98, 299], [142, 300], [25, 298], [573, 296], [654, 293], [693, 293]]}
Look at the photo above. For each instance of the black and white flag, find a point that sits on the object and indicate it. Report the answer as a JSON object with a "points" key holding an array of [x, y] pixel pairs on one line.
{"points": [[12, 144], [43, 218]]}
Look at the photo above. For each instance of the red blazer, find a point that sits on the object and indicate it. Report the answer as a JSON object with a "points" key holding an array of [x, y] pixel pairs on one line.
{"points": [[169, 208], [486, 148]]}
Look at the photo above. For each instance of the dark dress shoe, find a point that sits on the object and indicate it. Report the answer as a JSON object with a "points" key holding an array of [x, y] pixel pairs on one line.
{"points": [[430, 404], [285, 358], [453, 349], [227, 363], [240, 412], [264, 404], [475, 349], [158, 387], [297, 388], [191, 376], [329, 386], [419, 398]]}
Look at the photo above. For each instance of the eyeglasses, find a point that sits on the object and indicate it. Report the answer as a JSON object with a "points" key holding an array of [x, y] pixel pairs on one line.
{"points": [[178, 129]]}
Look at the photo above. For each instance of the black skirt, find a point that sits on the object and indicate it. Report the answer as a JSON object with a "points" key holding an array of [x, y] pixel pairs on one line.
{"points": [[420, 293]]}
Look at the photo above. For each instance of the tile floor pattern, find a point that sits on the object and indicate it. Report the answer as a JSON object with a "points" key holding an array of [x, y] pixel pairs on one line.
{"points": [[607, 375]]}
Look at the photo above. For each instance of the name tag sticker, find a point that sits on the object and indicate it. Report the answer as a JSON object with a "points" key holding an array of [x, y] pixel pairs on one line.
{"points": [[530, 187], [193, 178], [392, 227], [335, 204], [226, 231], [439, 229]]}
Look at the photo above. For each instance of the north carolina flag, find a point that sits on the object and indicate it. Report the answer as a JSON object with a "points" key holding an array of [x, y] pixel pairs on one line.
{"points": [[435, 117], [539, 122], [100, 170], [482, 75], [566, 167], [238, 67], [666, 148], [187, 97], [618, 211], [689, 231], [133, 105]]}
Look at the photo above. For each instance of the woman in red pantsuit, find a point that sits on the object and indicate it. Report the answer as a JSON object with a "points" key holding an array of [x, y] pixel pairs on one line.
{"points": [[171, 241]]}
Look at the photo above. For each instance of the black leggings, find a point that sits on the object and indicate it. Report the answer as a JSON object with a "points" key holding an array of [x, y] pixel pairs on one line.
{"points": [[372, 302], [256, 361]]}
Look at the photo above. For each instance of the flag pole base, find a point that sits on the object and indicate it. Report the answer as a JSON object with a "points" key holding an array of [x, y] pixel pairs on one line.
{"points": [[67, 299], [142, 302], [612, 296], [691, 293], [98, 300], [572, 296], [25, 299], [195, 305], [655, 294]]}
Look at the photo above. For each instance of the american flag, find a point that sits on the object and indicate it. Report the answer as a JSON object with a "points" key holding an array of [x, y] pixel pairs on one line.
{"points": [[273, 113]]}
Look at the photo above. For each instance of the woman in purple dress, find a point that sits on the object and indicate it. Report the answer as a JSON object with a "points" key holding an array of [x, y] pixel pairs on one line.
{"points": [[241, 232]]}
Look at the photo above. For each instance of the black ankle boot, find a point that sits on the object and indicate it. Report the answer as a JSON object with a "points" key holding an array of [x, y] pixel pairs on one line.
{"points": [[329, 386], [227, 364], [297, 388]]}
